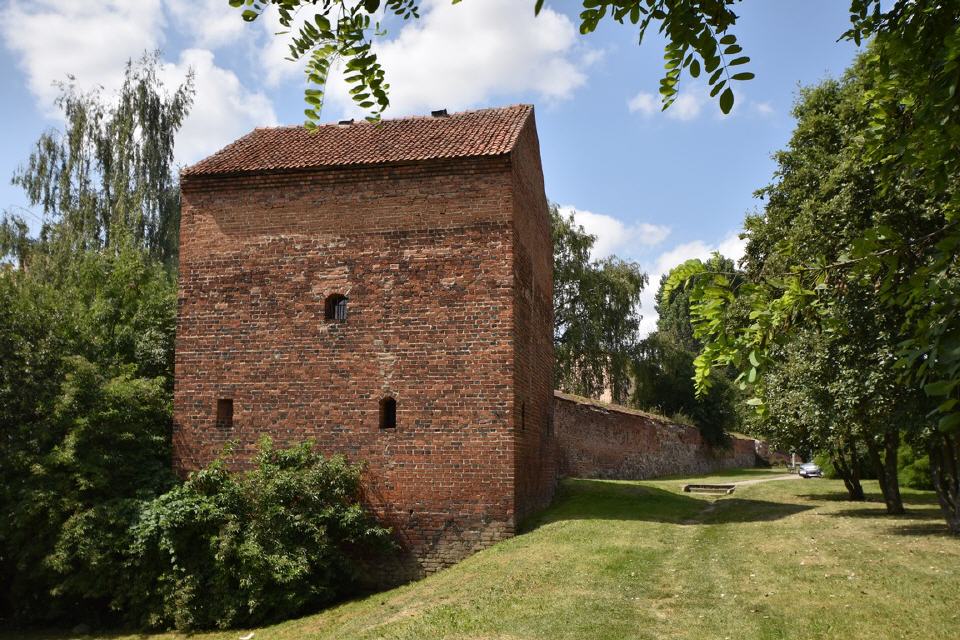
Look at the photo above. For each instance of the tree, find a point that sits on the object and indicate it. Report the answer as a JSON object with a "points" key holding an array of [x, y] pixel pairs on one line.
{"points": [[596, 314], [805, 284], [663, 368], [108, 177], [87, 321]]}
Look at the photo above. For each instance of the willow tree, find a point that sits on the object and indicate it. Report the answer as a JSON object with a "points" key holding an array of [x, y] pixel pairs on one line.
{"points": [[596, 314], [108, 175]]}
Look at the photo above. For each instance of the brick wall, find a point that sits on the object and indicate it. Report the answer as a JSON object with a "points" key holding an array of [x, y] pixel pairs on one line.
{"points": [[535, 445], [606, 441], [425, 253]]}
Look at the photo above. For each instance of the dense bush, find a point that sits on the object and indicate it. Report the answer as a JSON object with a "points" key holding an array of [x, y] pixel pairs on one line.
{"points": [[228, 549], [84, 432], [914, 468]]}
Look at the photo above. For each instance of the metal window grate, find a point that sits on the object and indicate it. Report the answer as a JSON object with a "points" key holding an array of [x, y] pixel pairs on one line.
{"points": [[335, 308]]}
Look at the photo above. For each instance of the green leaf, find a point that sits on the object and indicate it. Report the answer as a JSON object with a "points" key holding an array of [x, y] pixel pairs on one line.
{"points": [[726, 100], [939, 388], [754, 360], [745, 75], [949, 422], [695, 68], [740, 60]]}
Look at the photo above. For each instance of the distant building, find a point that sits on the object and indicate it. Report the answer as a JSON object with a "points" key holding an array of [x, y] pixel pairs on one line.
{"points": [[385, 289]]}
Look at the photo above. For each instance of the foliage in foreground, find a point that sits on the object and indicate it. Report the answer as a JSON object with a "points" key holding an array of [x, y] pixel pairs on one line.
{"points": [[227, 549], [857, 256], [663, 369]]}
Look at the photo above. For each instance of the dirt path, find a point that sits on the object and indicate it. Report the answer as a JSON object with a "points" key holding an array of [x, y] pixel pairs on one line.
{"points": [[744, 483]]}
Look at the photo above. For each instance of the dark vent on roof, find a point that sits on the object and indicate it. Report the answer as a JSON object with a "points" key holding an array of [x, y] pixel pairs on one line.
{"points": [[439, 113], [346, 122]]}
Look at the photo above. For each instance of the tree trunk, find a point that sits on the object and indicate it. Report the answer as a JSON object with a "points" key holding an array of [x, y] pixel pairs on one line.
{"points": [[945, 470], [849, 469], [887, 470]]}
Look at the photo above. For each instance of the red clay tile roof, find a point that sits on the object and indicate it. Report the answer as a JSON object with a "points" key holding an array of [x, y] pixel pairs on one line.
{"points": [[486, 132]]}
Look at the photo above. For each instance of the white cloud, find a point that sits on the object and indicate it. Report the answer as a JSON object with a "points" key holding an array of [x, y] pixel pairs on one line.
{"points": [[465, 55], [92, 41], [763, 108], [731, 246], [694, 101], [223, 108], [52, 39], [614, 236], [646, 103], [209, 23], [687, 106], [276, 67]]}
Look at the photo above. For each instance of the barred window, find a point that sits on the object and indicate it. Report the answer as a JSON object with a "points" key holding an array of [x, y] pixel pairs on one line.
{"points": [[335, 307]]}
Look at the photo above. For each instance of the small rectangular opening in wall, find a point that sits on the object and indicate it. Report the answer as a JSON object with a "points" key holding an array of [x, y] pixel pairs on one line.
{"points": [[388, 413], [225, 413]]}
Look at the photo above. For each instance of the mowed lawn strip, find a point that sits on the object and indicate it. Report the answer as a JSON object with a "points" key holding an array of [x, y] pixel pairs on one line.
{"points": [[612, 559]]}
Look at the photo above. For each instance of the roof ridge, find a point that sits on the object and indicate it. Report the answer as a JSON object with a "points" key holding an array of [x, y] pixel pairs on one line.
{"points": [[519, 105]]}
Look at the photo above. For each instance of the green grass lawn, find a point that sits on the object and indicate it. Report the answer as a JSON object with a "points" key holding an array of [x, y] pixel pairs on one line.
{"points": [[780, 559]]}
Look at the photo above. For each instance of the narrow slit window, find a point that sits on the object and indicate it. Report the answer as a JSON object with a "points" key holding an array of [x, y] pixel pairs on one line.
{"points": [[225, 413], [335, 308], [388, 413]]}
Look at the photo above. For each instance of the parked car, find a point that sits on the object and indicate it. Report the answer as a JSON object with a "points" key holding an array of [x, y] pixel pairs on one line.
{"points": [[809, 470]]}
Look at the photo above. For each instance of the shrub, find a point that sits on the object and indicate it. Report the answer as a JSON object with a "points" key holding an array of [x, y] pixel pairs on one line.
{"points": [[68, 504], [224, 549], [914, 469]]}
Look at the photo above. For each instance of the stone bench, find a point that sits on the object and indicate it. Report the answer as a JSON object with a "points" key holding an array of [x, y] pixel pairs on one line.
{"points": [[709, 488]]}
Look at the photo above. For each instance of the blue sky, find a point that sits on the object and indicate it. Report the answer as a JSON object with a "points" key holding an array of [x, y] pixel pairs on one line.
{"points": [[655, 187]]}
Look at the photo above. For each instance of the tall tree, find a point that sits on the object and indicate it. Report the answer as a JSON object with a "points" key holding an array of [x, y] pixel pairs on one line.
{"points": [[108, 176], [596, 314], [826, 198]]}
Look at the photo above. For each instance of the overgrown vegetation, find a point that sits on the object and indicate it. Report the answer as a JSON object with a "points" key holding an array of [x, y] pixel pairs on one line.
{"points": [[643, 560], [94, 526]]}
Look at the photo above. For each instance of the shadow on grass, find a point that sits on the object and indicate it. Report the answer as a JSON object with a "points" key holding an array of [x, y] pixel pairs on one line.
{"points": [[580, 499], [919, 505]]}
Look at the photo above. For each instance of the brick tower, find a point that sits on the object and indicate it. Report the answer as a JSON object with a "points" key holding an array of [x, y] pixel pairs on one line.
{"points": [[386, 290]]}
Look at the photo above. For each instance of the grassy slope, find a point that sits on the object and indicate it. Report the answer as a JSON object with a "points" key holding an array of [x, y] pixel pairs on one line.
{"points": [[783, 559]]}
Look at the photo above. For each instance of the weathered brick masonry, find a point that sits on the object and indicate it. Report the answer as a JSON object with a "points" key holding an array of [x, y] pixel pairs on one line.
{"points": [[607, 441], [436, 231]]}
